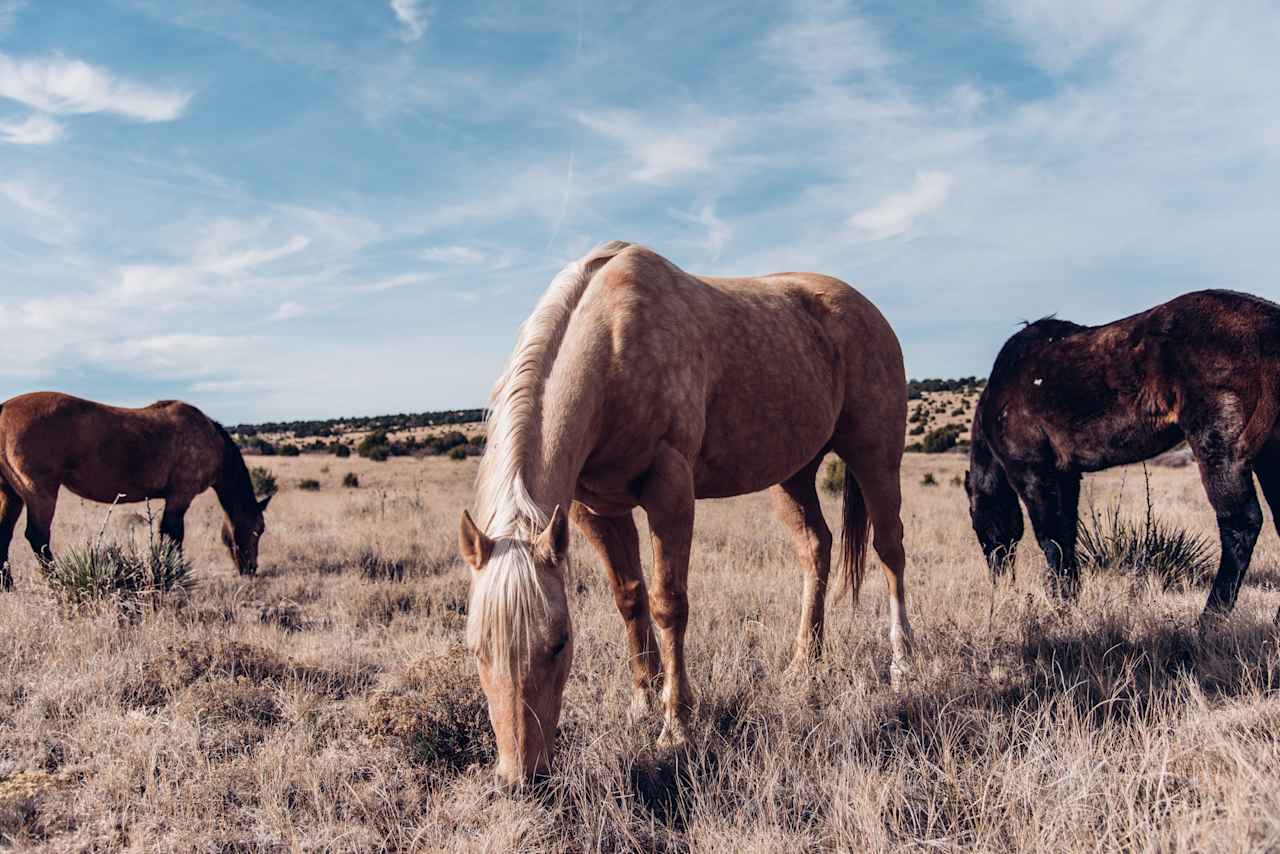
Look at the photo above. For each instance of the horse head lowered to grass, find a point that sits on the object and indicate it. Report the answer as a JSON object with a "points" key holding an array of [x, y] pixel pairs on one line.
{"points": [[169, 450], [635, 384]]}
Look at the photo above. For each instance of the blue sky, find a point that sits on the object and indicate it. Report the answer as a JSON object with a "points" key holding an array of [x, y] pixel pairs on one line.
{"points": [[311, 209]]}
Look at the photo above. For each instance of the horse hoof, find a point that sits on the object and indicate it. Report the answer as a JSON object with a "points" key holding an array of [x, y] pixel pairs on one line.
{"points": [[673, 736], [641, 707]]}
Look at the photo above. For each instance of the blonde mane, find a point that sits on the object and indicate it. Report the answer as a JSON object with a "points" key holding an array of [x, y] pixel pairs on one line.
{"points": [[507, 595]]}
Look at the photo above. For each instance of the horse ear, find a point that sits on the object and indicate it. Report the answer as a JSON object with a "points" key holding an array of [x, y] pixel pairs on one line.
{"points": [[472, 542], [262, 505], [553, 542]]}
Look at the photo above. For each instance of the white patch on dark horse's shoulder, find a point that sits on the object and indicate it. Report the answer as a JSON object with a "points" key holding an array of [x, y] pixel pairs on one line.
{"points": [[1038, 381]]}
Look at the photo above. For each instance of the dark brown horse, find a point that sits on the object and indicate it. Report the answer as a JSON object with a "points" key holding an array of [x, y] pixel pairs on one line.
{"points": [[1064, 399], [168, 450]]}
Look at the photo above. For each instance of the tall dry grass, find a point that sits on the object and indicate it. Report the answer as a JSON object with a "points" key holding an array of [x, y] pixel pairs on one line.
{"points": [[325, 706]]}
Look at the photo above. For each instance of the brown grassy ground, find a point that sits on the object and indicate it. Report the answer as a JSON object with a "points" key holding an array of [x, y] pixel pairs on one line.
{"points": [[314, 708]]}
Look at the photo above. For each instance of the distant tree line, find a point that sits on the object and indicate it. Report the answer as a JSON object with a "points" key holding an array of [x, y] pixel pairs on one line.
{"points": [[916, 388], [337, 426]]}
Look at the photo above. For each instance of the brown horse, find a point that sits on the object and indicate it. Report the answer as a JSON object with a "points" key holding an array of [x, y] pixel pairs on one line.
{"points": [[168, 450], [635, 384], [1065, 399]]}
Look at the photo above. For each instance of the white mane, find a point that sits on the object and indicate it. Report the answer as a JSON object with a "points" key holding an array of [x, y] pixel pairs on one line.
{"points": [[507, 595]]}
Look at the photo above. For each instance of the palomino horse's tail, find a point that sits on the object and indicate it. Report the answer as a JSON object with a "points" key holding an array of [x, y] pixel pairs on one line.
{"points": [[853, 538]]}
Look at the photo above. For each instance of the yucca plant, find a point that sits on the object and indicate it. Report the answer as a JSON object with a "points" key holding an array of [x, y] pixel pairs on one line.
{"points": [[1108, 541], [123, 574]]}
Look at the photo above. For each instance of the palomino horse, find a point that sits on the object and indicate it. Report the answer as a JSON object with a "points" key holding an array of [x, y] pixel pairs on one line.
{"points": [[635, 384], [168, 450], [1065, 399]]}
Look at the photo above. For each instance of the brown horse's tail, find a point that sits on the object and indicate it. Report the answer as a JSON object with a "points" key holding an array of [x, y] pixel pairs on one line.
{"points": [[853, 538]]}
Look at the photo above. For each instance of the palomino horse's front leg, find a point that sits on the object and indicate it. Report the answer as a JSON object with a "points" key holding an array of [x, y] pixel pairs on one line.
{"points": [[668, 501], [616, 541]]}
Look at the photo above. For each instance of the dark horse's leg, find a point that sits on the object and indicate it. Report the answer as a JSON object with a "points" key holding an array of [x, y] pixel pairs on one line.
{"points": [[1228, 481], [10, 509], [171, 523], [1267, 468], [798, 507], [616, 541], [1053, 503], [40, 509]]}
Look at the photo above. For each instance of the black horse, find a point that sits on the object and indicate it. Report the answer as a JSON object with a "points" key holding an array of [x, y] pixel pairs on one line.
{"points": [[1064, 399]]}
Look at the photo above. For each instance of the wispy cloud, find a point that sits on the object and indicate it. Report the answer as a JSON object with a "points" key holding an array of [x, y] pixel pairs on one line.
{"points": [[828, 45], [413, 17], [896, 214], [35, 129], [454, 255], [662, 148], [55, 84]]}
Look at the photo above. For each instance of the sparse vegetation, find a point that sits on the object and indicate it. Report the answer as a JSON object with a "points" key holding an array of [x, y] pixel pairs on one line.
{"points": [[928, 479], [833, 473], [311, 707], [309, 484], [121, 574], [941, 440], [264, 482], [350, 480]]}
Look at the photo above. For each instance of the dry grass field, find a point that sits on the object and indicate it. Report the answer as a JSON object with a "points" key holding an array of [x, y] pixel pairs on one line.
{"points": [[327, 704]]}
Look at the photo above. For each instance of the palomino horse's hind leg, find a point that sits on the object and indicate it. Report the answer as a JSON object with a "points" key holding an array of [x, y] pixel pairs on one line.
{"points": [[616, 541], [798, 507], [10, 509], [1053, 503], [1228, 481], [881, 487], [668, 501]]}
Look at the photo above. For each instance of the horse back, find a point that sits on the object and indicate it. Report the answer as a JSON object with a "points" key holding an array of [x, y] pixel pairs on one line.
{"points": [[48, 439]]}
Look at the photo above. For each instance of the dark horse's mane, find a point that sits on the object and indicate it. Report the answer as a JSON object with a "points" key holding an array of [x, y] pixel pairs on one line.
{"points": [[235, 486], [1033, 333]]}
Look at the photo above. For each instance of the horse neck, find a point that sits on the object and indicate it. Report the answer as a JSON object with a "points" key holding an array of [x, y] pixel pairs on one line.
{"points": [[234, 487]]}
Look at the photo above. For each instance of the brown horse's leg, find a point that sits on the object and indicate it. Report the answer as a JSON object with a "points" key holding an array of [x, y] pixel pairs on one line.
{"points": [[616, 541], [40, 509], [10, 509], [798, 507], [1267, 468], [1053, 503], [668, 501], [172, 522], [879, 478]]}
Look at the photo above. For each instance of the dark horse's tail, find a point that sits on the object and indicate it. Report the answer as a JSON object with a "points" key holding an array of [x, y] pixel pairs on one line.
{"points": [[853, 538]]}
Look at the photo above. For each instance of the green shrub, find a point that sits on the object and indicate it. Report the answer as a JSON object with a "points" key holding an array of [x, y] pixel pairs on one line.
{"points": [[458, 453], [958, 411], [914, 448], [375, 446], [350, 481], [130, 578], [340, 450], [916, 430], [264, 482], [309, 485], [289, 450], [941, 440], [1149, 547], [833, 476], [928, 479]]}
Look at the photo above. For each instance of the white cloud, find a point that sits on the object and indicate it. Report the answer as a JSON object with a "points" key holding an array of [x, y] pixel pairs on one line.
{"points": [[663, 149], [36, 129], [165, 356], [717, 230], [828, 46], [896, 214], [412, 16], [404, 280], [454, 255], [288, 311], [59, 85]]}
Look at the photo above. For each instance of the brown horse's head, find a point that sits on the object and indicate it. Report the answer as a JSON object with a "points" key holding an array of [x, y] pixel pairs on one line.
{"points": [[993, 508], [519, 629], [241, 531]]}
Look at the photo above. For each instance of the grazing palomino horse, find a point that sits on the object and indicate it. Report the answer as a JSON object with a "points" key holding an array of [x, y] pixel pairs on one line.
{"points": [[1065, 399], [168, 450], [635, 384]]}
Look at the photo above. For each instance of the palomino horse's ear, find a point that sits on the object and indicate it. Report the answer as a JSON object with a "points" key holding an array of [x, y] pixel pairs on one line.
{"points": [[474, 545], [262, 505], [553, 542]]}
